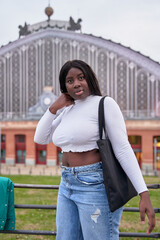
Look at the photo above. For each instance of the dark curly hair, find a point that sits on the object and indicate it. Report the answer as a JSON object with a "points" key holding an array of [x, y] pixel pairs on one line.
{"points": [[87, 71]]}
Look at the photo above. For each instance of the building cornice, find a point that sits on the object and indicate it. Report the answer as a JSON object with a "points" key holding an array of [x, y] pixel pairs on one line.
{"points": [[143, 125], [20, 125]]}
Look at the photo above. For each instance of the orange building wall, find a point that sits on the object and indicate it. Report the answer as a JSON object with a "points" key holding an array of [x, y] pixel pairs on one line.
{"points": [[27, 128], [146, 129], [30, 145], [51, 151], [10, 146]]}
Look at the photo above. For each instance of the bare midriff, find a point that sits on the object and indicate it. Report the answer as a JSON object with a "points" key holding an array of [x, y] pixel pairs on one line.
{"points": [[75, 159]]}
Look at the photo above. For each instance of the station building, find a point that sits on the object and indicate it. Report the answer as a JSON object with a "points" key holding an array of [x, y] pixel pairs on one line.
{"points": [[29, 69]]}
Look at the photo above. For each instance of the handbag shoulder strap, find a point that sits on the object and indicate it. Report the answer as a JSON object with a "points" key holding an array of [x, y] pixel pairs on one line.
{"points": [[101, 119]]}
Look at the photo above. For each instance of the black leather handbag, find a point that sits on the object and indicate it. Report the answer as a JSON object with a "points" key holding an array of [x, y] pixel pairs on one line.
{"points": [[118, 187]]}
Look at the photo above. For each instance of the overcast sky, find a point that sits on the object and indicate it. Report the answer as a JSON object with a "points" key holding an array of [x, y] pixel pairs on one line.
{"points": [[133, 23]]}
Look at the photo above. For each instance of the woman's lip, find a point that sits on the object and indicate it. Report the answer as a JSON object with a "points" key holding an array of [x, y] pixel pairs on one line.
{"points": [[79, 92]]}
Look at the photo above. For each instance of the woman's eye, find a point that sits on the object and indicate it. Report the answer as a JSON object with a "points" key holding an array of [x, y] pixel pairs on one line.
{"points": [[69, 81], [81, 77]]}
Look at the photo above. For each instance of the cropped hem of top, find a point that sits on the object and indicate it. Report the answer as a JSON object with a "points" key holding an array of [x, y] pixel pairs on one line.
{"points": [[75, 129]]}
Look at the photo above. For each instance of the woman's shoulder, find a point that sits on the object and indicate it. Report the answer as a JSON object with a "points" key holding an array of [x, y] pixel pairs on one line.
{"points": [[110, 104], [110, 100]]}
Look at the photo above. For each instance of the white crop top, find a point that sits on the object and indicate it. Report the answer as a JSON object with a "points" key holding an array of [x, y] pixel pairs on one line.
{"points": [[76, 130]]}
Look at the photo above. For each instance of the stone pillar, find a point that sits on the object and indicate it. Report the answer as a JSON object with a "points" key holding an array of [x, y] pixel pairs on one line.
{"points": [[51, 155], [30, 148], [147, 152], [10, 148]]}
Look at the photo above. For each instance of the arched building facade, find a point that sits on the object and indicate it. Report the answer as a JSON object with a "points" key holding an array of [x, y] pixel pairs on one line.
{"points": [[32, 63]]}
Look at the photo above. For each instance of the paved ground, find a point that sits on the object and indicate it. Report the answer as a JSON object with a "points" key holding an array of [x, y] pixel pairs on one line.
{"points": [[21, 169]]}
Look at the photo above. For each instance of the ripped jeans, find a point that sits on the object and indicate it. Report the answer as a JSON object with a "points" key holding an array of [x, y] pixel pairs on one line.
{"points": [[82, 209]]}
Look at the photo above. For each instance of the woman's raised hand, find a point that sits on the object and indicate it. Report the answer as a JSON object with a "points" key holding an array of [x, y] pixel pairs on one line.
{"points": [[63, 100]]}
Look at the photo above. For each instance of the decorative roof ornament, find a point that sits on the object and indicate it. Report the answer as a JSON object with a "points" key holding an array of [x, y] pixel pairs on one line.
{"points": [[74, 25], [70, 25], [23, 30], [49, 11]]}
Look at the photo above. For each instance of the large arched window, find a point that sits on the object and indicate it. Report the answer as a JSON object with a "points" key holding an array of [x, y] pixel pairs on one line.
{"points": [[31, 75], [2, 87], [48, 62], [122, 84], [16, 82], [102, 70], [65, 48], [83, 53], [142, 94]]}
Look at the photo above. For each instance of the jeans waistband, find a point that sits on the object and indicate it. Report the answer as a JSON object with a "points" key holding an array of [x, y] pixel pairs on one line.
{"points": [[94, 166]]}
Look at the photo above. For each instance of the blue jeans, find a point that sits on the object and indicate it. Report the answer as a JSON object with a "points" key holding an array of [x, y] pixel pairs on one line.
{"points": [[82, 209]]}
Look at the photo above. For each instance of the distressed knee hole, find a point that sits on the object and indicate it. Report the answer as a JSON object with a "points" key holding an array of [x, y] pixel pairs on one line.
{"points": [[95, 215]]}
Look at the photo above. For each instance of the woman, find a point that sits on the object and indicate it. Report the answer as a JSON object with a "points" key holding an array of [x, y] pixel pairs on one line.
{"points": [[82, 209]]}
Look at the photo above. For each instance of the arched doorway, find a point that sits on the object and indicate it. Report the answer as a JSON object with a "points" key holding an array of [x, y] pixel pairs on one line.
{"points": [[41, 154], [136, 145], [3, 148], [20, 148]]}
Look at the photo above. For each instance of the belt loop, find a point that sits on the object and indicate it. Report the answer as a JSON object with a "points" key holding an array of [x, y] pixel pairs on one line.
{"points": [[73, 170]]}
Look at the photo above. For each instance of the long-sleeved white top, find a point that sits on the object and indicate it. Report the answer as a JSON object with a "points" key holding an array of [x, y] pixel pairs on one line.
{"points": [[76, 130]]}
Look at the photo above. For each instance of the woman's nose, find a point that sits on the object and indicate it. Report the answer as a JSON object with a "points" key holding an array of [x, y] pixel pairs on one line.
{"points": [[76, 83]]}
